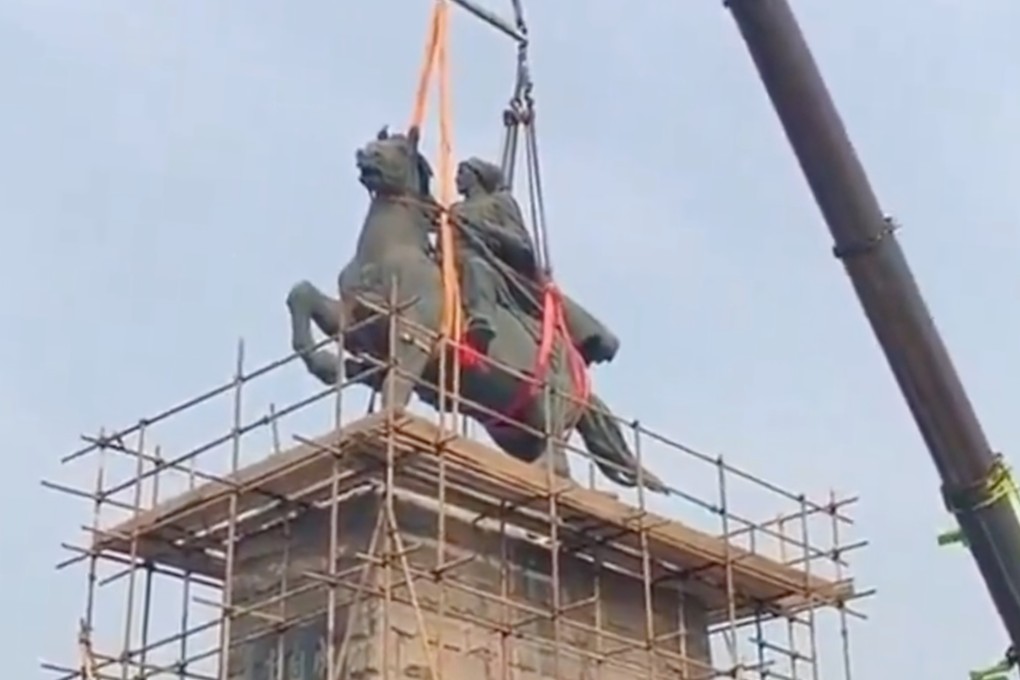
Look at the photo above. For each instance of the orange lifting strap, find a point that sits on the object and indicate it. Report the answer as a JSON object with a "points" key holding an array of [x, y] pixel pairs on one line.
{"points": [[437, 58]]}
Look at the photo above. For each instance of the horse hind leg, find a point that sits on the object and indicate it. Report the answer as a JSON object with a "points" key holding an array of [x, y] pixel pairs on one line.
{"points": [[605, 442], [555, 453], [554, 450], [402, 378], [531, 448]]}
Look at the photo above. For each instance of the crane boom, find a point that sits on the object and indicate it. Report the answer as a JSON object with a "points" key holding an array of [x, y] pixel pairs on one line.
{"points": [[976, 484]]}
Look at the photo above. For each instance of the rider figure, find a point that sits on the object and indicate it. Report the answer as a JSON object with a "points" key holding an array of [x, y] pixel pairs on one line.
{"points": [[487, 218]]}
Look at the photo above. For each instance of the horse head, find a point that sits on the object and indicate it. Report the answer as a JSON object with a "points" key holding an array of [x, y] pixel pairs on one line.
{"points": [[392, 164]]}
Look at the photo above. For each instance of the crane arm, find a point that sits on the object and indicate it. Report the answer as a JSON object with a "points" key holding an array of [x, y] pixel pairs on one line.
{"points": [[976, 483]]}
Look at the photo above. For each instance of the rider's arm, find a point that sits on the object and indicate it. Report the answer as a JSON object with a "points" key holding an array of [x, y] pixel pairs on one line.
{"points": [[514, 246]]}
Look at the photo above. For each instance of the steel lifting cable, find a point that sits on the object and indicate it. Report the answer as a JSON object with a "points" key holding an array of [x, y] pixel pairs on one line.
{"points": [[520, 113], [521, 103], [516, 113]]}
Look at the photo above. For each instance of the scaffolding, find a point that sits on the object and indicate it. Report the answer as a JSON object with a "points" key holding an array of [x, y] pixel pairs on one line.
{"points": [[395, 546]]}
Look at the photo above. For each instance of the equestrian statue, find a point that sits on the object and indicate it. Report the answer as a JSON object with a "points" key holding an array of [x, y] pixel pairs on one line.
{"points": [[396, 269]]}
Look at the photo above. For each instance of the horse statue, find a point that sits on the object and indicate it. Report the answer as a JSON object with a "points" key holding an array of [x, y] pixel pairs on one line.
{"points": [[396, 270]]}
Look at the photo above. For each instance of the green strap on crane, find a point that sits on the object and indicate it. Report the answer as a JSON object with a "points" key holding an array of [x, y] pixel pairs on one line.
{"points": [[996, 485], [999, 671]]}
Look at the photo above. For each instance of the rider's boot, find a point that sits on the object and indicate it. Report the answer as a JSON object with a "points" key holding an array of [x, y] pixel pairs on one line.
{"points": [[479, 301], [480, 333]]}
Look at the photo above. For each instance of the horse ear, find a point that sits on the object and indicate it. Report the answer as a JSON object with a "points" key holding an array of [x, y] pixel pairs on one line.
{"points": [[384, 133], [414, 136]]}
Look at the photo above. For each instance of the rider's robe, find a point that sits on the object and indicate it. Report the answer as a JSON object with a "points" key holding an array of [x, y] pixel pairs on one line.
{"points": [[493, 240]]}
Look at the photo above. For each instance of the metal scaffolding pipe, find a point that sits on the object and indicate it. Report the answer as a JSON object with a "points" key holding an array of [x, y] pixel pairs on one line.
{"points": [[973, 477]]}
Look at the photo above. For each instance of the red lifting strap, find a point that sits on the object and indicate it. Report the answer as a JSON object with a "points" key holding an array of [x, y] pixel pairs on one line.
{"points": [[553, 325]]}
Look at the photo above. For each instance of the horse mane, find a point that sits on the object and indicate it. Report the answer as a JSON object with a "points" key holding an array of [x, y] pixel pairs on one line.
{"points": [[424, 175]]}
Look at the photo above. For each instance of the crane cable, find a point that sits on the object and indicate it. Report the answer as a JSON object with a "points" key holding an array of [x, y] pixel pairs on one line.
{"points": [[520, 113], [436, 58]]}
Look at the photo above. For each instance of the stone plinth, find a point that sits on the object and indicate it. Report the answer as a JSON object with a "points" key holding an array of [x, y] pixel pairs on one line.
{"points": [[603, 610], [265, 531]]}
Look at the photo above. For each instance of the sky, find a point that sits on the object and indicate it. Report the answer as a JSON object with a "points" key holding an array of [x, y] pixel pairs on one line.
{"points": [[169, 169]]}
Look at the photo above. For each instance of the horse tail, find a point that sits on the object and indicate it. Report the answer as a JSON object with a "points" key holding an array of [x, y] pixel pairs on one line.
{"points": [[605, 441]]}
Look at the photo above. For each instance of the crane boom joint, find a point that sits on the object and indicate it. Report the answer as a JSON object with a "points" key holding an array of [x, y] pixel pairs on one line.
{"points": [[997, 484], [866, 246], [1000, 670]]}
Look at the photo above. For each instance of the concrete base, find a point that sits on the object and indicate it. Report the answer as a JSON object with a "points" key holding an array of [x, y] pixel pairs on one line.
{"points": [[481, 638]]}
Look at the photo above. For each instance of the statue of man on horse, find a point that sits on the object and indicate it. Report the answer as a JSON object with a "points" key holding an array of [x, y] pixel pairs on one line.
{"points": [[395, 269], [496, 254]]}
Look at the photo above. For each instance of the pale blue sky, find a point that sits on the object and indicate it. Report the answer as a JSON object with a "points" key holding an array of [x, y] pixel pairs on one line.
{"points": [[168, 169]]}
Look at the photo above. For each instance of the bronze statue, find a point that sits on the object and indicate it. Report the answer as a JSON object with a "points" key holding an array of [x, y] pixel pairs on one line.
{"points": [[498, 257], [394, 263], [475, 240], [489, 208]]}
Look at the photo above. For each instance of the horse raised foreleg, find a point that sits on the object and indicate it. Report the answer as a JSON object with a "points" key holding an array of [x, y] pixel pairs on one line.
{"points": [[307, 304], [605, 442]]}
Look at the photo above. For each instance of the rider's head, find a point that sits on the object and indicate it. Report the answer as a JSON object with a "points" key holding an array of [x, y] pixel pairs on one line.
{"points": [[475, 174]]}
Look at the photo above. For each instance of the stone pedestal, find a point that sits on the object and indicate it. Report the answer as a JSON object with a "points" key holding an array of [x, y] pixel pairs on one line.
{"points": [[266, 531], [497, 603]]}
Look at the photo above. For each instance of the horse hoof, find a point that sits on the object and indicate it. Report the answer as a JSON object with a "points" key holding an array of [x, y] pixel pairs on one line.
{"points": [[479, 336]]}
